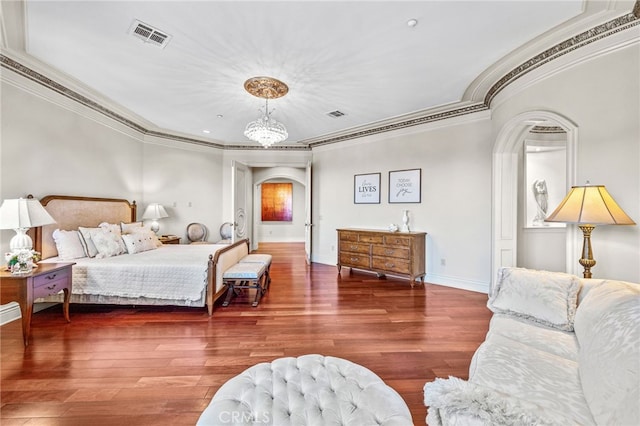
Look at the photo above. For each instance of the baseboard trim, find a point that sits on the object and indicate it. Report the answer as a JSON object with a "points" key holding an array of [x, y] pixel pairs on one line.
{"points": [[462, 284], [11, 311]]}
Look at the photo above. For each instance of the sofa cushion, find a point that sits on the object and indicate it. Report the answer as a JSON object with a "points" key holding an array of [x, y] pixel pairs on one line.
{"points": [[528, 373], [548, 298], [607, 330], [454, 401]]}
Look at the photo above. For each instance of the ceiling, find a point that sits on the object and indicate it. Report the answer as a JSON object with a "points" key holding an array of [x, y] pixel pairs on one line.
{"points": [[360, 58]]}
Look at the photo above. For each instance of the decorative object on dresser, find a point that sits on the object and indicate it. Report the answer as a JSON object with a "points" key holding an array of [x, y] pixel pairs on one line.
{"points": [[48, 278], [383, 252], [587, 206], [20, 215], [153, 212]]}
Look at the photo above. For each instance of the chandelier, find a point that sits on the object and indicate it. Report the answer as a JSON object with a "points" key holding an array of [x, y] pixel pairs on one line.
{"points": [[265, 130]]}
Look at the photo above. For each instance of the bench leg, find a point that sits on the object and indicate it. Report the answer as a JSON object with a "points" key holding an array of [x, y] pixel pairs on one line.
{"points": [[230, 293]]}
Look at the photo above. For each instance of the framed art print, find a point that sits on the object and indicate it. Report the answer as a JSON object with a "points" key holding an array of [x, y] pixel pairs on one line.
{"points": [[405, 186], [277, 204], [366, 189]]}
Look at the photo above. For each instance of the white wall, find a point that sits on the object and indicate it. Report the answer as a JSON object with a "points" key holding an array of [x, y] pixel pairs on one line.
{"points": [[601, 95], [455, 158]]}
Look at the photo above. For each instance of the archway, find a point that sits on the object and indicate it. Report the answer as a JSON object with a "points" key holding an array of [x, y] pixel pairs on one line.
{"points": [[505, 186]]}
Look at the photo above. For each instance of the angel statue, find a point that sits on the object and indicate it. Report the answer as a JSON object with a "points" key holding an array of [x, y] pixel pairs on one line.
{"points": [[540, 193]]}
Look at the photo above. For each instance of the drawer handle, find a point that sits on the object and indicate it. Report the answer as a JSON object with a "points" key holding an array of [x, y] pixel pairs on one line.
{"points": [[389, 252], [390, 265], [52, 287], [354, 247], [354, 259], [50, 277]]}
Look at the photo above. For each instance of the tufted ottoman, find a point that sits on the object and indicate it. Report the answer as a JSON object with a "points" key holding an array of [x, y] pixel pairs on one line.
{"points": [[308, 390]]}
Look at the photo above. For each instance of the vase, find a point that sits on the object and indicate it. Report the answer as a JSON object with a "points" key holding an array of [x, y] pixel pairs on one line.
{"points": [[405, 221]]}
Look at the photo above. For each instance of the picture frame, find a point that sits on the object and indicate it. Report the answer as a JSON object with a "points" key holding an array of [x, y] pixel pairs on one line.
{"points": [[366, 188], [405, 186]]}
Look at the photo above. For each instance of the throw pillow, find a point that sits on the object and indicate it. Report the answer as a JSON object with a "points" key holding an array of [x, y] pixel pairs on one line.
{"points": [[107, 243], [68, 244], [548, 298], [137, 242], [130, 227], [90, 249], [114, 229]]}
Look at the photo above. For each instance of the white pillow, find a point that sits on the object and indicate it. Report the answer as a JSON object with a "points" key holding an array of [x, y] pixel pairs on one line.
{"points": [[107, 243], [130, 227], [145, 230], [68, 244], [548, 298], [90, 249], [137, 242], [117, 234]]}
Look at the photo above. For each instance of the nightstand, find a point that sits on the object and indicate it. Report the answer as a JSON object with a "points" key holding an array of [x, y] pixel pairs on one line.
{"points": [[169, 239], [46, 279]]}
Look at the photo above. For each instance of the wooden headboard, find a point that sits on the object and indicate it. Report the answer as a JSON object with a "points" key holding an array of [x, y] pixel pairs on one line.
{"points": [[71, 212]]}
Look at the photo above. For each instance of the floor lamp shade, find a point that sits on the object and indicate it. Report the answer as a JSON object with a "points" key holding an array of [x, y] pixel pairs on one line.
{"points": [[155, 211], [587, 206], [20, 215]]}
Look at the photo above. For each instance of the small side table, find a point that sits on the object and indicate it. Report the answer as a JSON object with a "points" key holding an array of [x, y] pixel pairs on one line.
{"points": [[169, 239], [46, 279]]}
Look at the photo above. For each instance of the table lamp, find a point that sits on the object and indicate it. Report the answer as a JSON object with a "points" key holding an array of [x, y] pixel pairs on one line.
{"points": [[20, 215], [587, 206], [155, 211]]}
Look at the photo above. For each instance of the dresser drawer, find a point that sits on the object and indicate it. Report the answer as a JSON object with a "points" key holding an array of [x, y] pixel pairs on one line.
{"points": [[399, 266], [390, 251], [51, 283], [370, 238], [355, 260], [397, 240], [349, 236], [352, 247]]}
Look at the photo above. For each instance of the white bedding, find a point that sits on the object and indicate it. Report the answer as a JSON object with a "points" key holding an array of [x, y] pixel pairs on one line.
{"points": [[171, 272]]}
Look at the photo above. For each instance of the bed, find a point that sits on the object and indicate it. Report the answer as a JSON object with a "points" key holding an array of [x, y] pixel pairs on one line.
{"points": [[177, 275]]}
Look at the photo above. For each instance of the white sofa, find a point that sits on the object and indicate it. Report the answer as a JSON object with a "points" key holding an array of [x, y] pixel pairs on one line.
{"points": [[560, 351]]}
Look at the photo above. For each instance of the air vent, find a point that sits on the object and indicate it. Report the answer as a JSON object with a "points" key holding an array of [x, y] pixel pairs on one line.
{"points": [[335, 114], [149, 34]]}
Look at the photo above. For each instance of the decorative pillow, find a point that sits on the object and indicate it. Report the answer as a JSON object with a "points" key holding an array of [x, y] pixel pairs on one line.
{"points": [[89, 247], [117, 234], [548, 298], [130, 227], [107, 243], [146, 231], [68, 244], [137, 242], [479, 405]]}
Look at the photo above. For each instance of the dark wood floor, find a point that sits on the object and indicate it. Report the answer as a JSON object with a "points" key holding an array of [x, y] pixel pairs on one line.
{"points": [[161, 366]]}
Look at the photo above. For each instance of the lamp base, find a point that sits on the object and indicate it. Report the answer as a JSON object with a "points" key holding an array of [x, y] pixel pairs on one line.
{"points": [[155, 226], [21, 241], [587, 260]]}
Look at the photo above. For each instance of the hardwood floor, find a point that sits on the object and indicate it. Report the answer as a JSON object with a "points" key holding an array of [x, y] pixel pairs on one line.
{"points": [[161, 366]]}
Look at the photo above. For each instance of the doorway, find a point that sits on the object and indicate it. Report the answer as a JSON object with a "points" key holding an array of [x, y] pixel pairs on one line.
{"points": [[507, 160]]}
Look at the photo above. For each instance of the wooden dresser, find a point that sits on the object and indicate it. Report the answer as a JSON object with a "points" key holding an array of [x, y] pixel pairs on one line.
{"points": [[383, 252]]}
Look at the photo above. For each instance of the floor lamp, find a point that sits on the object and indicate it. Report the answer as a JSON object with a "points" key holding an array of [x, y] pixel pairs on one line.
{"points": [[587, 206]]}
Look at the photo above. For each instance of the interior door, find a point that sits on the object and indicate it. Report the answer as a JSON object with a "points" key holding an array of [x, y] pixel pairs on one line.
{"points": [[241, 224], [307, 221]]}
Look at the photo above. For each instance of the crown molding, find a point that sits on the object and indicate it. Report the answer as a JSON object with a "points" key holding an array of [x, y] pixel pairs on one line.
{"points": [[584, 38]]}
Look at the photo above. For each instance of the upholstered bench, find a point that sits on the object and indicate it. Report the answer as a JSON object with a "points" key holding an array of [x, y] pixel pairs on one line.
{"points": [[308, 390], [265, 259], [244, 276]]}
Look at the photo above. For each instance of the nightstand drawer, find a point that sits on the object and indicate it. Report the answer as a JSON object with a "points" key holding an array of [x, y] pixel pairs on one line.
{"points": [[51, 283]]}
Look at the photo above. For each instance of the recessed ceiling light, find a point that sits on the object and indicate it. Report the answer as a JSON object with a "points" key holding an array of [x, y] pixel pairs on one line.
{"points": [[206, 131], [219, 115], [412, 22]]}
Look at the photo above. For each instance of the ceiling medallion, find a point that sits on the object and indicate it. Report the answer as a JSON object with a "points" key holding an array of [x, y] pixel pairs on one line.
{"points": [[265, 130]]}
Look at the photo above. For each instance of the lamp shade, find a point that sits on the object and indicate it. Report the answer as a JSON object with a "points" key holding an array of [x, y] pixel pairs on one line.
{"points": [[154, 211], [23, 213], [590, 204]]}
